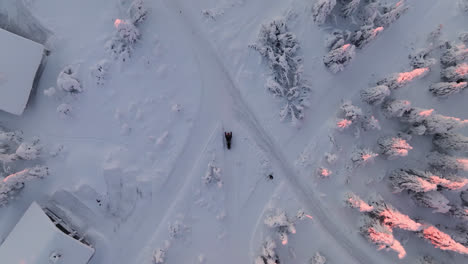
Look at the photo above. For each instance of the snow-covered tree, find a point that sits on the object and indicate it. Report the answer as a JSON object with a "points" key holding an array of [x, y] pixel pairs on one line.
{"points": [[464, 197], [382, 236], [392, 218], [64, 110], [451, 142], [370, 123], [29, 151], [432, 199], [350, 7], [99, 71], [280, 222], [213, 174], [365, 35], [361, 157], [453, 54], [354, 201], [279, 48], [390, 13], [442, 240], [67, 80], [318, 258], [350, 111], [337, 38], [336, 60], [322, 9], [444, 89], [436, 123], [459, 212], [268, 253], [398, 80], [421, 58], [444, 162], [137, 11], [393, 147], [413, 180], [12, 184], [159, 256], [396, 108], [375, 95], [457, 73], [463, 36], [121, 45]]}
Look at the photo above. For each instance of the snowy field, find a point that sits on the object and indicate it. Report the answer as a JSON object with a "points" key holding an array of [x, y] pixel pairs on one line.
{"points": [[349, 121]]}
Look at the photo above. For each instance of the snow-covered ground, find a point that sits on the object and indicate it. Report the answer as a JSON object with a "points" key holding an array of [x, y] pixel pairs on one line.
{"points": [[136, 151]]}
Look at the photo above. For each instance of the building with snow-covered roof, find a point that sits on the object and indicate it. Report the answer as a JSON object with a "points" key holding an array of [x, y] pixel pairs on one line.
{"points": [[40, 237], [20, 60]]}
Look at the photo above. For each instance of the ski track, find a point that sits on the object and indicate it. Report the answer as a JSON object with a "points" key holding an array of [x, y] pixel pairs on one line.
{"points": [[212, 65]]}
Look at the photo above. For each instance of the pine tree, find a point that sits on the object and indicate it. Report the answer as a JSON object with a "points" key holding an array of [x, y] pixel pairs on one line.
{"points": [[137, 12], [268, 253], [444, 89], [451, 142], [413, 180], [382, 236], [337, 59], [337, 38], [11, 185], [421, 58], [442, 240], [396, 108], [443, 162], [391, 13], [361, 157], [322, 9], [393, 147], [453, 54], [457, 73], [365, 35], [350, 8], [433, 199], [375, 95]]}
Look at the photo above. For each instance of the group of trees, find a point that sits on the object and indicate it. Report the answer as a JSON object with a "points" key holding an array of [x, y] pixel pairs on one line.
{"points": [[380, 219], [19, 160], [371, 16], [279, 48], [121, 45]]}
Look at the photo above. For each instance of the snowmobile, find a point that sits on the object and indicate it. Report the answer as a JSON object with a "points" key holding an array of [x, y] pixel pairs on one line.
{"points": [[228, 136]]}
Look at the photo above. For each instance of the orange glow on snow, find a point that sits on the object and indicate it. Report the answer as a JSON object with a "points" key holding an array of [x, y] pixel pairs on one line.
{"points": [[284, 241], [405, 77], [393, 218], [425, 185], [367, 157], [309, 216], [399, 3], [443, 241], [452, 185], [343, 123], [117, 22], [401, 146], [325, 172], [426, 113], [14, 174], [386, 240], [461, 84], [357, 202], [345, 46], [462, 69], [463, 163], [377, 30]]}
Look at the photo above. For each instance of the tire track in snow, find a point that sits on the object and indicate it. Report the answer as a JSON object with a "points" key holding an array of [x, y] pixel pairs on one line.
{"points": [[241, 111]]}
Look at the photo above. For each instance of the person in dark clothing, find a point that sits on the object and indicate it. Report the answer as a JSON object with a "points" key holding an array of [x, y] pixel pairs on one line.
{"points": [[228, 136]]}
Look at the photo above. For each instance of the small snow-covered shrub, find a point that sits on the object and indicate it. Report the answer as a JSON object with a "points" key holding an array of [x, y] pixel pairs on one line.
{"points": [[370, 123], [350, 111], [361, 157], [396, 108], [393, 147], [279, 48], [319, 258], [29, 151], [64, 110], [50, 91], [421, 58], [322, 9], [451, 142], [67, 80], [11, 185], [158, 256], [213, 174], [336, 60], [444, 89], [350, 7], [444, 162], [413, 180], [375, 95], [433, 199], [137, 11], [268, 253], [177, 229], [282, 225], [99, 71]]}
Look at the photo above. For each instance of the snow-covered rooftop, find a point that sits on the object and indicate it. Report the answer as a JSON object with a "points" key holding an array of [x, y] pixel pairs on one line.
{"points": [[20, 59], [36, 240]]}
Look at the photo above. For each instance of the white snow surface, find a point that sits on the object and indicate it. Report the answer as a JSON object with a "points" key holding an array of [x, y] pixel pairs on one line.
{"points": [[132, 152], [19, 61]]}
